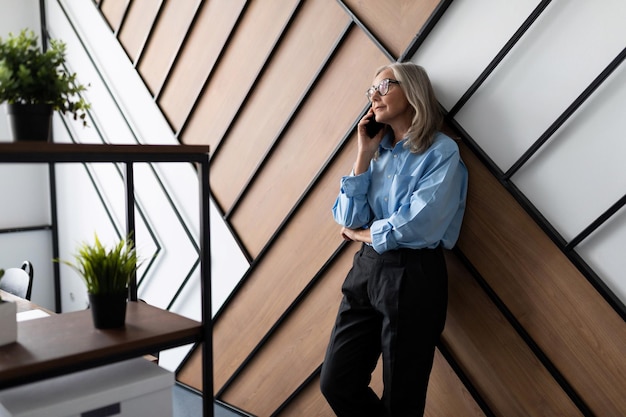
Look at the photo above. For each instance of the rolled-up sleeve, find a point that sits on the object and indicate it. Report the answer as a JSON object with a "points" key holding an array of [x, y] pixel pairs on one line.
{"points": [[351, 208]]}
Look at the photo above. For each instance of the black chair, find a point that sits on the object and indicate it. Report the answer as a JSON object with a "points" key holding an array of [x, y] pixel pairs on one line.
{"points": [[18, 281]]}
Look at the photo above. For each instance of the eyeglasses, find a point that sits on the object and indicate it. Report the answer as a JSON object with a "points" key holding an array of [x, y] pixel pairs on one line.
{"points": [[382, 88]]}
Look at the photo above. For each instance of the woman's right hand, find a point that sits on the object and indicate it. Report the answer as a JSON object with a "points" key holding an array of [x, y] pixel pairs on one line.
{"points": [[367, 146]]}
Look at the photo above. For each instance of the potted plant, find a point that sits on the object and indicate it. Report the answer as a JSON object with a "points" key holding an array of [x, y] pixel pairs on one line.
{"points": [[8, 320], [107, 274], [36, 82]]}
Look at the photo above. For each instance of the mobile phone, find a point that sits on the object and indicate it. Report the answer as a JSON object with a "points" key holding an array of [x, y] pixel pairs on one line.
{"points": [[373, 127]]}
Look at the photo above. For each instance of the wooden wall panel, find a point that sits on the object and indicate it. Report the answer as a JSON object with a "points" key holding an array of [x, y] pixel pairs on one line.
{"points": [[557, 306], [309, 402], [167, 36], [307, 44], [447, 396], [334, 104], [496, 357], [113, 11], [215, 22], [281, 276], [137, 25], [393, 22], [296, 349], [237, 71]]}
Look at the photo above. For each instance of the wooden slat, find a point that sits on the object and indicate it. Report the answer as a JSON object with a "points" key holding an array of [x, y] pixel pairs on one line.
{"points": [[308, 42], [113, 11], [334, 105], [167, 36], [215, 21], [393, 22], [571, 323], [230, 81], [507, 374], [137, 25], [309, 402], [447, 396]]}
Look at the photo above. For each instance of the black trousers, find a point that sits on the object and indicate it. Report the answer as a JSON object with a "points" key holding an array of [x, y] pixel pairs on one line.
{"points": [[393, 304]]}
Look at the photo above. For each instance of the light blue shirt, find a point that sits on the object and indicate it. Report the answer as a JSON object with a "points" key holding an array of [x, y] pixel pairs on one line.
{"points": [[407, 200]]}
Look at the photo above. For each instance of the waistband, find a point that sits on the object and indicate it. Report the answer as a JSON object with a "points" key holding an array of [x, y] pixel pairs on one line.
{"points": [[398, 254]]}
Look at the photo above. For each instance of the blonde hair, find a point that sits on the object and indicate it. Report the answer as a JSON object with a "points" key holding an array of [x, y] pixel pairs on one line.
{"points": [[427, 115]]}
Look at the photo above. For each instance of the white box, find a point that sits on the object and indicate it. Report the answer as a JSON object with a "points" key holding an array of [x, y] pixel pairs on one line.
{"points": [[133, 388], [8, 322]]}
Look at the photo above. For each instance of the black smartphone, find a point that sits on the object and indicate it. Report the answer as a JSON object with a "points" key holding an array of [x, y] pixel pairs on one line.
{"points": [[373, 127]]}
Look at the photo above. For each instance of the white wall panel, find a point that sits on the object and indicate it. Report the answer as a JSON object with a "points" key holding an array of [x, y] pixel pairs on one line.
{"points": [[179, 254], [549, 67], [604, 252], [581, 172], [465, 40], [25, 195]]}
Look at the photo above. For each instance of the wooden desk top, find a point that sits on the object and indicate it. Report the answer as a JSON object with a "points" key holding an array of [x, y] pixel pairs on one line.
{"points": [[22, 304], [68, 342]]}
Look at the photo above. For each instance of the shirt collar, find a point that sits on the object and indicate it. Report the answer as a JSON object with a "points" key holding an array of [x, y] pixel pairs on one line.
{"points": [[387, 142]]}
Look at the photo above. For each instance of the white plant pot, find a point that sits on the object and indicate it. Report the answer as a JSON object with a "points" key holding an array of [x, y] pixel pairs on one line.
{"points": [[8, 322]]}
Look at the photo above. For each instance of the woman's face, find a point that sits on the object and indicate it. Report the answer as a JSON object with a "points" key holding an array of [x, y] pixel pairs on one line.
{"points": [[393, 106]]}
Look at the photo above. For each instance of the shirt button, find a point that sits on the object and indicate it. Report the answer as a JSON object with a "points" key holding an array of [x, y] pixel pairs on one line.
{"points": [[388, 176], [385, 198]]}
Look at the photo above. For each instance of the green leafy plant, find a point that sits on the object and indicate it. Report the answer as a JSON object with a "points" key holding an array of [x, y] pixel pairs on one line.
{"points": [[30, 76], [105, 271]]}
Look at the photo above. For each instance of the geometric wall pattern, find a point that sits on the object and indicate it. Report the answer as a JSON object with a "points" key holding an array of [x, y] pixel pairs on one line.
{"points": [[535, 322]]}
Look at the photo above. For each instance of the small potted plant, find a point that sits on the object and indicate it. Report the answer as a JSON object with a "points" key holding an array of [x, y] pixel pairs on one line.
{"points": [[34, 82], [107, 274], [8, 320]]}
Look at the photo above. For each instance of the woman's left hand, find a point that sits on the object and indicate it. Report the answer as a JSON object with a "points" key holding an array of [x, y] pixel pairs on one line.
{"points": [[356, 235]]}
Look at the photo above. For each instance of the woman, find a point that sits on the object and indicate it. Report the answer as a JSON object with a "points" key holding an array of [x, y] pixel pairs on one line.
{"points": [[404, 200]]}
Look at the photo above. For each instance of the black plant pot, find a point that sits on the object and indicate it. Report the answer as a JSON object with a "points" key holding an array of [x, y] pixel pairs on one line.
{"points": [[108, 310], [30, 122]]}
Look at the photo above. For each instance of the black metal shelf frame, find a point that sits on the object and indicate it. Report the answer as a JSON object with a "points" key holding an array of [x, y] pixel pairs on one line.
{"points": [[51, 153]]}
